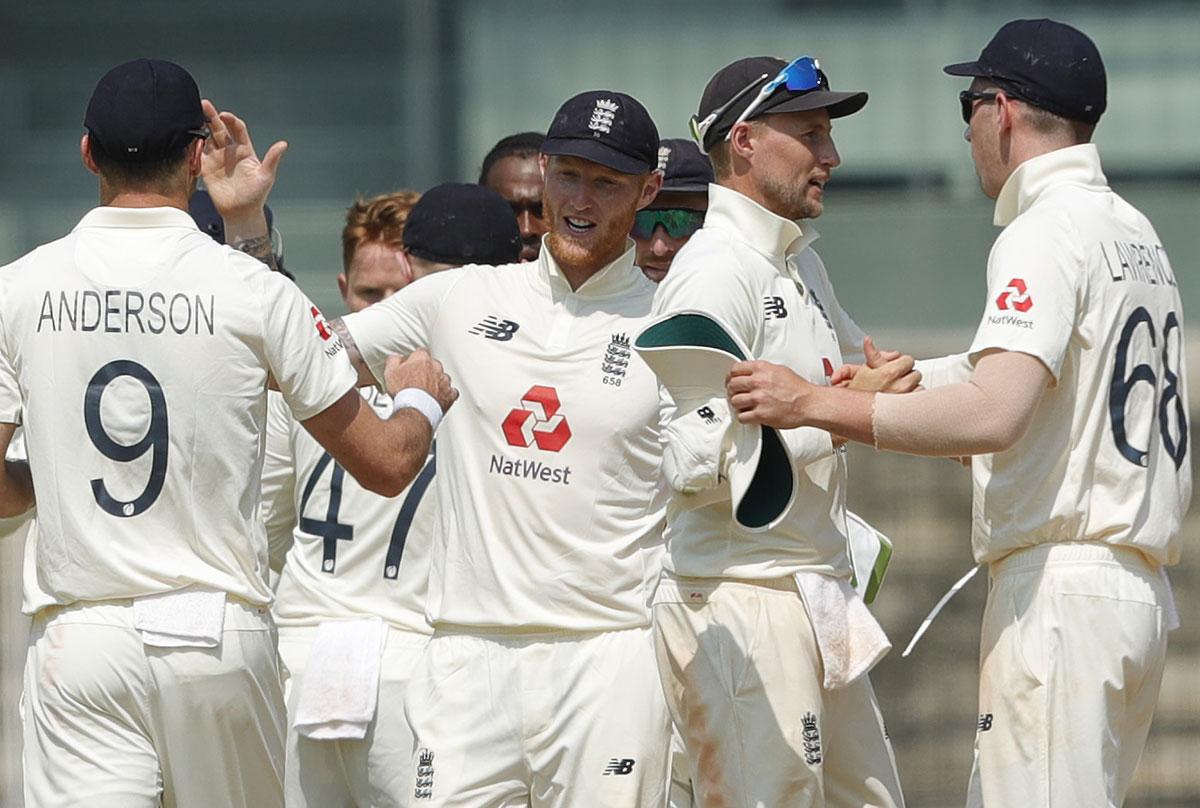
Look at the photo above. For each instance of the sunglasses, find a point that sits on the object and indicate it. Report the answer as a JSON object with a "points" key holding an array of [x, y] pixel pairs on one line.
{"points": [[967, 99], [801, 75], [678, 222]]}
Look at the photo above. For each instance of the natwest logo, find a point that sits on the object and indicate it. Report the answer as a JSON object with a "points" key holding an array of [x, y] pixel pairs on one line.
{"points": [[1015, 297], [537, 421], [322, 327]]}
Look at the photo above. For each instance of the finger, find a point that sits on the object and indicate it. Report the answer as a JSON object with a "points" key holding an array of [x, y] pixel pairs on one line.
{"points": [[844, 373], [888, 356], [274, 155], [237, 129], [419, 353], [871, 353], [742, 401], [220, 135], [740, 384], [748, 417], [908, 383], [742, 369], [898, 367]]}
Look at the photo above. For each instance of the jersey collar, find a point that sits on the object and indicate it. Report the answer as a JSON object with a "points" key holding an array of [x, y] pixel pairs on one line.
{"points": [[1074, 165], [137, 218], [612, 279], [749, 222]]}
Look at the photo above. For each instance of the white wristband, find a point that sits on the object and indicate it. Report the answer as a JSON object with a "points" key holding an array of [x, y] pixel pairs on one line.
{"points": [[417, 399]]}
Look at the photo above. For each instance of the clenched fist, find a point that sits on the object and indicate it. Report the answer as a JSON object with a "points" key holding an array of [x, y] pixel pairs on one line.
{"points": [[422, 371]]}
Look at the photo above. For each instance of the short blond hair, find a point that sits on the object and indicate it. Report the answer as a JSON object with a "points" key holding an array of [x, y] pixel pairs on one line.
{"points": [[380, 220]]}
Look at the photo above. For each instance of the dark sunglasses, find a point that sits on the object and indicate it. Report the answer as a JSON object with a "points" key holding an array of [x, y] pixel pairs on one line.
{"points": [[678, 222], [967, 99]]}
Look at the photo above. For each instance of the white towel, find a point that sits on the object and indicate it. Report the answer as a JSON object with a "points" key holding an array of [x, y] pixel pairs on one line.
{"points": [[340, 684], [1170, 610], [193, 617], [848, 637]]}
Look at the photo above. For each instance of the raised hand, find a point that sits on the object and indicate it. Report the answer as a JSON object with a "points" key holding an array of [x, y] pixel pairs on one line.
{"points": [[235, 178]]}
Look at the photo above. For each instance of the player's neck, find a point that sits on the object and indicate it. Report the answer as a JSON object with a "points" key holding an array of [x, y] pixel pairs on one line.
{"points": [[143, 199]]}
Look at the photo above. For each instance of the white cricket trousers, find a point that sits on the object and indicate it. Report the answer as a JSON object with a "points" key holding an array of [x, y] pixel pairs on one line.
{"points": [[375, 772], [1071, 660], [743, 678], [112, 723], [561, 720]]}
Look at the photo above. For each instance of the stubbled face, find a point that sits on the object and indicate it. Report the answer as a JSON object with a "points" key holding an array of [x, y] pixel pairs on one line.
{"points": [[794, 158], [983, 133], [519, 180], [589, 210], [376, 271], [655, 254]]}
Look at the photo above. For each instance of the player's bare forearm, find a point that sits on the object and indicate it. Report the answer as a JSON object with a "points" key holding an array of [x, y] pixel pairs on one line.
{"points": [[16, 489], [257, 247], [384, 456], [365, 376]]}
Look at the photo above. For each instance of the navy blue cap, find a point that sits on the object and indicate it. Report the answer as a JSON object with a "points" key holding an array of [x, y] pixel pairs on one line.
{"points": [[463, 223], [606, 127], [144, 110], [1047, 63], [685, 168]]}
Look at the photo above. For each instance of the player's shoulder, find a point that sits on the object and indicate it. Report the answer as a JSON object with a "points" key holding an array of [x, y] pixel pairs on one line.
{"points": [[712, 260], [1041, 232]]}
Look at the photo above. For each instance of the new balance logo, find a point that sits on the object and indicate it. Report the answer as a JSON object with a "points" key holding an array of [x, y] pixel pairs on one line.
{"points": [[495, 328], [619, 766], [985, 722], [707, 414], [811, 737], [773, 308]]}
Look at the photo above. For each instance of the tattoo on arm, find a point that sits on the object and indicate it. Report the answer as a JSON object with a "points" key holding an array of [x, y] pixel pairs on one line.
{"points": [[356, 360], [258, 247]]}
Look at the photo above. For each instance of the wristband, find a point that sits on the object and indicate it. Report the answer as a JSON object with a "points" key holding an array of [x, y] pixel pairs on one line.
{"points": [[417, 399]]}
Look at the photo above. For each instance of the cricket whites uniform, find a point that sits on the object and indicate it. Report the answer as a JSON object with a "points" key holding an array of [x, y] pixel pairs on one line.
{"points": [[135, 353], [737, 642], [1077, 520], [539, 684], [354, 555]]}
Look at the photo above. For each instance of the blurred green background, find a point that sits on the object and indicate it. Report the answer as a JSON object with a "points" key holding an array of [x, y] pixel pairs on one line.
{"points": [[376, 96]]}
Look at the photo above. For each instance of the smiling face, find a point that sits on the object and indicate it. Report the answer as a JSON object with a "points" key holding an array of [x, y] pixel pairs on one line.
{"points": [[794, 157], [376, 271], [590, 209]]}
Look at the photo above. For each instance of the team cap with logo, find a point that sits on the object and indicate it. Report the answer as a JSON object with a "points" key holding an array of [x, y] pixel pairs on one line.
{"points": [[685, 168], [764, 85], [1046, 63], [606, 127], [463, 223], [144, 110]]}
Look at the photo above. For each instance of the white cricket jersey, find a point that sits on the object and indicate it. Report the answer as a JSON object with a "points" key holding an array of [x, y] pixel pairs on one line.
{"points": [[135, 352], [353, 552], [1080, 280], [756, 272], [547, 479]]}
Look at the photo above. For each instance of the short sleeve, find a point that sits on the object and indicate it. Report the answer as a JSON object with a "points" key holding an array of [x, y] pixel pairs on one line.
{"points": [[403, 322], [306, 357], [1033, 275]]}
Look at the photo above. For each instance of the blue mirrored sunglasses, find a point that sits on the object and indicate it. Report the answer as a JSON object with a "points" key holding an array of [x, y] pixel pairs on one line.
{"points": [[801, 75]]}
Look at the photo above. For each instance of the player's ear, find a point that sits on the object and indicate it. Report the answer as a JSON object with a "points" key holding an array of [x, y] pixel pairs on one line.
{"points": [[651, 185], [85, 154], [344, 288], [194, 155], [741, 140]]}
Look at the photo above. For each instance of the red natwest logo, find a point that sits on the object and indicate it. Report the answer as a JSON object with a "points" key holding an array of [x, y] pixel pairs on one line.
{"points": [[537, 421], [322, 326], [1015, 297]]}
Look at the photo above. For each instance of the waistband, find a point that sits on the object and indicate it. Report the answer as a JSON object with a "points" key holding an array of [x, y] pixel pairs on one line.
{"points": [[240, 615], [528, 633], [1039, 555], [785, 584]]}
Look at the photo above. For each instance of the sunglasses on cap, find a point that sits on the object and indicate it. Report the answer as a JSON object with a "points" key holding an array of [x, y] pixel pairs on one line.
{"points": [[801, 75], [678, 222], [967, 99]]}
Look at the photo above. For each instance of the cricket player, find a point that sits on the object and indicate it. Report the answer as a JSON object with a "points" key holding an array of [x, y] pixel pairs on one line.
{"points": [[1076, 412], [677, 212], [350, 604], [756, 624], [135, 352], [539, 686]]}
